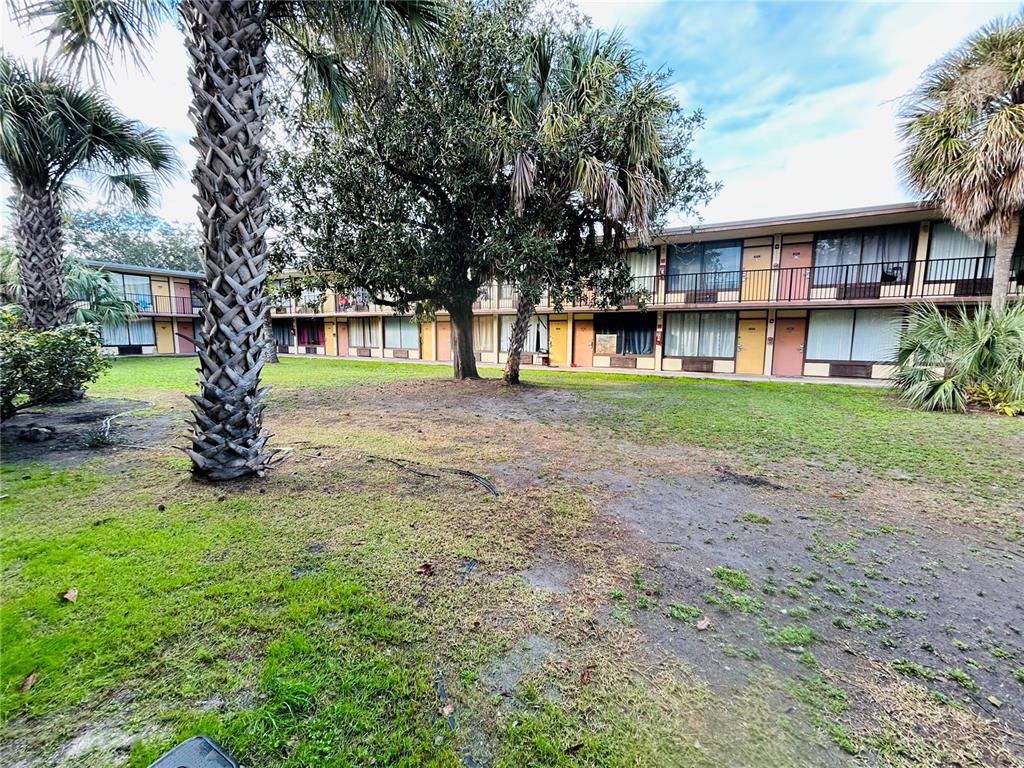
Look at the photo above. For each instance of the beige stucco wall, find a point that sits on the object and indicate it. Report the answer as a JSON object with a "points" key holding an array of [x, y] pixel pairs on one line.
{"points": [[723, 366], [815, 369]]}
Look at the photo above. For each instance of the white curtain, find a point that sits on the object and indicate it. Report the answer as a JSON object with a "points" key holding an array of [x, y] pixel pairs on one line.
{"points": [[136, 286], [876, 335], [536, 335], [682, 331], [483, 334], [115, 334], [362, 332], [946, 243], [829, 334], [401, 333], [642, 263], [717, 334]]}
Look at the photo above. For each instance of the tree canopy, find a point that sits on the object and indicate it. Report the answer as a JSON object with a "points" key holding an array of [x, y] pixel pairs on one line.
{"points": [[414, 195], [125, 236]]}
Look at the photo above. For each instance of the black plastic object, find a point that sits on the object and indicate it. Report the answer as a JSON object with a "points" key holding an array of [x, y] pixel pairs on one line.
{"points": [[197, 752]]}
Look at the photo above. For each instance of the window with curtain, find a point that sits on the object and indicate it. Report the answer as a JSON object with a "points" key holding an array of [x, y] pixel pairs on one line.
{"points": [[132, 333], [634, 332], [283, 332], [362, 332], [952, 255], [311, 333], [536, 335], [863, 335], [876, 334], [704, 266], [700, 334], [401, 333], [483, 334], [878, 254], [642, 263]]}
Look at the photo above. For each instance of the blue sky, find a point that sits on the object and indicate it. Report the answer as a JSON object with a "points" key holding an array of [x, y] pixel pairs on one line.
{"points": [[800, 98]]}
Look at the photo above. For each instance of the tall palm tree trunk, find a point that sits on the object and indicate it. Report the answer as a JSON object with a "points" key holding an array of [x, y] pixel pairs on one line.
{"points": [[515, 346], [226, 42], [1001, 268], [39, 240]]}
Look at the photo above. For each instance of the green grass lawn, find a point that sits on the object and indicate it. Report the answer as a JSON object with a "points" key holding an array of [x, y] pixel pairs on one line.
{"points": [[762, 422], [291, 618]]}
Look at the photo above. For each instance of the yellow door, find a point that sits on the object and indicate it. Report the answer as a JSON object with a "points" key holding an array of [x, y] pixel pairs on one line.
{"points": [[558, 342], [750, 346], [330, 338], [426, 341], [164, 337], [757, 275]]}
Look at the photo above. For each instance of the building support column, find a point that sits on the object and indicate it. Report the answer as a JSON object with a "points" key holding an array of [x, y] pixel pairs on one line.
{"points": [[769, 343], [569, 342], [659, 340]]}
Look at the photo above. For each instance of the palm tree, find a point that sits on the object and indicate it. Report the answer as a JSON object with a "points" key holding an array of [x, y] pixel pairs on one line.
{"points": [[963, 126], [50, 132], [227, 42], [93, 295], [588, 124]]}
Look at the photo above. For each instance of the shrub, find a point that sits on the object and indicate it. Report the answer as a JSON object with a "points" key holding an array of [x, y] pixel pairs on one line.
{"points": [[950, 360], [49, 366]]}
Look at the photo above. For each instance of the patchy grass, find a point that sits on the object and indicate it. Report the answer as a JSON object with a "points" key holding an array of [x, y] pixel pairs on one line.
{"points": [[732, 577]]}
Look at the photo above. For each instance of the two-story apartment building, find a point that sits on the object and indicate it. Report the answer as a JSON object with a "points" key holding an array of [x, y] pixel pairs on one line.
{"points": [[820, 294]]}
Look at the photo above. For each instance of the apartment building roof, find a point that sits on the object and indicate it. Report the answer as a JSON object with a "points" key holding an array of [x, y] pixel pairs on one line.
{"points": [[893, 213], [138, 269]]}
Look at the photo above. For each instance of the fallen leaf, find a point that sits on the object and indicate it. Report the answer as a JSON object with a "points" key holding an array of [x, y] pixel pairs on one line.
{"points": [[574, 748], [447, 709], [838, 494], [29, 681], [425, 569], [995, 701], [71, 595], [703, 623], [586, 675]]}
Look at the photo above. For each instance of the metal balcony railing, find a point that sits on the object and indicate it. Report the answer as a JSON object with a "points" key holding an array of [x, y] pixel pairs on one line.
{"points": [[155, 304]]}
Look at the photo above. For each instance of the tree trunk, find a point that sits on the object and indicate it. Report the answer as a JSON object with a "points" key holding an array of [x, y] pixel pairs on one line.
{"points": [[515, 347], [1001, 268], [40, 242], [226, 42], [463, 359], [269, 340]]}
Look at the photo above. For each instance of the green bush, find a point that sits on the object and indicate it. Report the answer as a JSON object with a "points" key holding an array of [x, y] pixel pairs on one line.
{"points": [[949, 361], [50, 366]]}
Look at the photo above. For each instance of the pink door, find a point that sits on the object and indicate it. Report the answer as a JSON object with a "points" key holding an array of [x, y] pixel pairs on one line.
{"points": [[342, 336], [795, 272], [444, 340], [186, 337], [182, 299], [790, 337]]}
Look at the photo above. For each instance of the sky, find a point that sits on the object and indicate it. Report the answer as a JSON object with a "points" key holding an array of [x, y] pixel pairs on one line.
{"points": [[800, 99]]}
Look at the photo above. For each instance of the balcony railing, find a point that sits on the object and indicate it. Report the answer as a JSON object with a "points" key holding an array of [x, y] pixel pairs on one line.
{"points": [[155, 304]]}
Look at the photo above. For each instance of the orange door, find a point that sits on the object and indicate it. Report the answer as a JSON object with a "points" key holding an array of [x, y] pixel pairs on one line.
{"points": [[342, 338], [444, 340], [795, 272], [790, 335], [583, 343]]}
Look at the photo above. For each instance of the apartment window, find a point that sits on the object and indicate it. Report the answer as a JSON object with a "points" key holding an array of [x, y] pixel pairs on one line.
{"points": [[642, 263], [866, 335], [952, 255], [536, 335], [283, 333], [483, 334], [704, 266], [700, 334], [401, 333], [876, 255], [362, 332], [311, 333], [634, 333], [131, 333]]}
